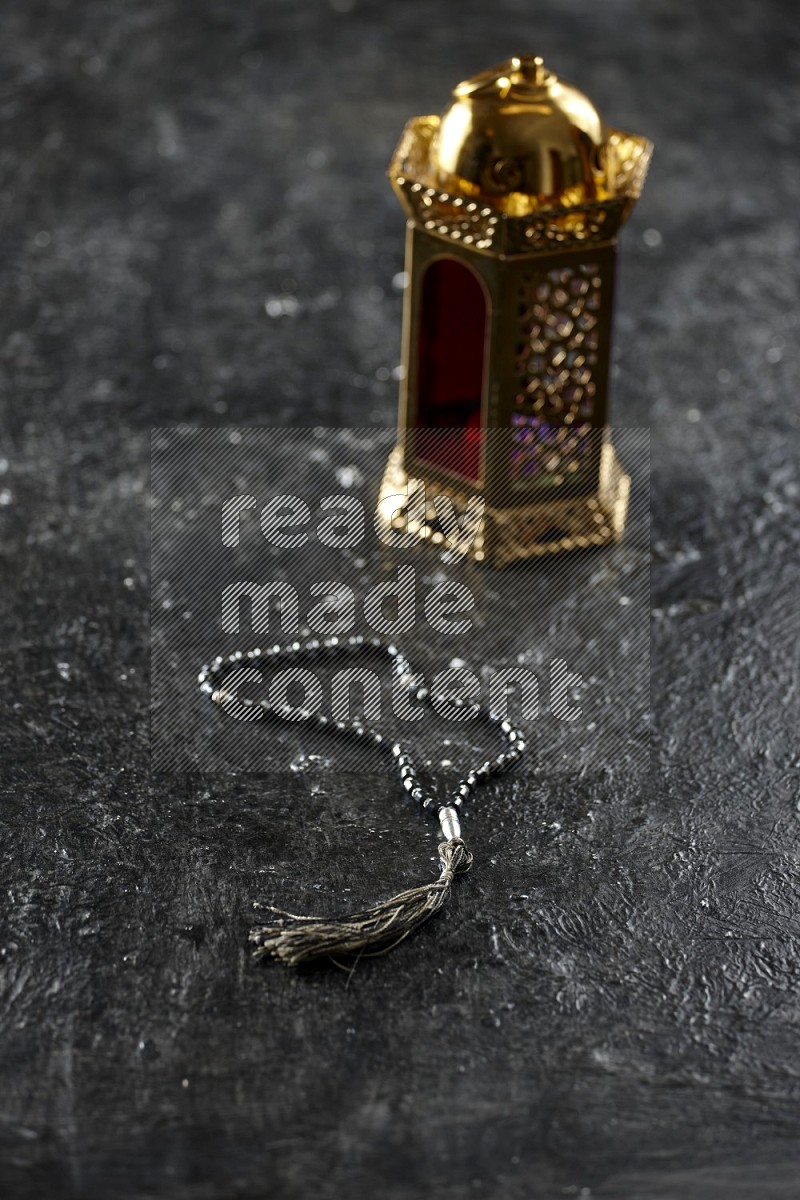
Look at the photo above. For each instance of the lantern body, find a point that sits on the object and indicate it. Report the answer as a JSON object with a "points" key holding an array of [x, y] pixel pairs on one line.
{"points": [[507, 317]]}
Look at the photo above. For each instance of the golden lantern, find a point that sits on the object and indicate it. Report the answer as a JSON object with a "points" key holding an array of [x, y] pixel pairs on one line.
{"points": [[514, 197]]}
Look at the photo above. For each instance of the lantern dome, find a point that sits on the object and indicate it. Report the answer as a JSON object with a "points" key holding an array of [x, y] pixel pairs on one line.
{"points": [[518, 137], [519, 162]]}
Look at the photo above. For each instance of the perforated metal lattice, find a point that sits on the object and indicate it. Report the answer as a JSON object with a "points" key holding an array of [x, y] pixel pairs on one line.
{"points": [[556, 362]]}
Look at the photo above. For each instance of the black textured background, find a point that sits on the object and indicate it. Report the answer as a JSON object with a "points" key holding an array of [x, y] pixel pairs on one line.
{"points": [[610, 1009]]}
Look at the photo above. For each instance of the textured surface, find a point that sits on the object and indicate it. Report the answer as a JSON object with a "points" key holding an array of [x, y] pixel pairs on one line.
{"points": [[610, 1010]]}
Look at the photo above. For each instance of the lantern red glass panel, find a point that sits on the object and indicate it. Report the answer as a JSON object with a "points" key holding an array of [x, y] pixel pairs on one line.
{"points": [[451, 352]]}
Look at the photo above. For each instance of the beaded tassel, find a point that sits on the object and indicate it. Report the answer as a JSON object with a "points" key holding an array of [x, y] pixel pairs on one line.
{"points": [[294, 940]]}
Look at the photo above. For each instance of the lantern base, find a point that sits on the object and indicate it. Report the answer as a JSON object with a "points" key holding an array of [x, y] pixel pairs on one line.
{"points": [[513, 534]]}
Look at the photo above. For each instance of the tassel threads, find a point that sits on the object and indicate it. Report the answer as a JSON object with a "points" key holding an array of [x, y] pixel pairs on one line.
{"points": [[295, 940]]}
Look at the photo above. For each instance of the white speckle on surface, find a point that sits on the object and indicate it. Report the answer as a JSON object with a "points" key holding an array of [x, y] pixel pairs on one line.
{"points": [[348, 477], [693, 415], [129, 582], [64, 670], [400, 281], [774, 354], [306, 762], [281, 306], [6, 497], [652, 238]]}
